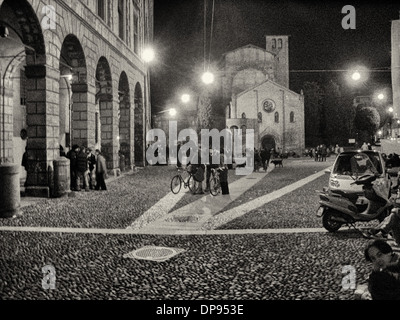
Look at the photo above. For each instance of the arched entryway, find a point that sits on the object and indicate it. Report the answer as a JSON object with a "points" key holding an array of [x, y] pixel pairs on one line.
{"points": [[139, 126], [73, 97], [27, 92], [268, 142], [104, 110], [125, 132]]}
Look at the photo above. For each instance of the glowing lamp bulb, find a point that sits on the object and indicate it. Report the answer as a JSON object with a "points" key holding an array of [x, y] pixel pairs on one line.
{"points": [[148, 55], [185, 98], [356, 76], [207, 77]]}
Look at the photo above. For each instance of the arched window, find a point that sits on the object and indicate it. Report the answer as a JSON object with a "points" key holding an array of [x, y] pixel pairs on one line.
{"points": [[277, 117], [292, 116], [243, 115], [259, 116], [273, 43], [279, 43]]}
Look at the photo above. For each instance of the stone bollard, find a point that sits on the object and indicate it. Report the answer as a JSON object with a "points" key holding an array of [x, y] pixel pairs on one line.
{"points": [[62, 179], [10, 197]]}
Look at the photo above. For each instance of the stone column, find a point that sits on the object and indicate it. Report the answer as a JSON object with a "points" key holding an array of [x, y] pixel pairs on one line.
{"points": [[43, 127], [80, 124], [109, 147]]}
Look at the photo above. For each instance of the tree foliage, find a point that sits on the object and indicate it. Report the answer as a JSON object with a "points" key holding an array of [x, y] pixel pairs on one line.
{"points": [[313, 95], [367, 119]]}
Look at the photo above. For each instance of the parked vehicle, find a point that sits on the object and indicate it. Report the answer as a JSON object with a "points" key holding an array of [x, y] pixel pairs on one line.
{"points": [[339, 207], [342, 174]]}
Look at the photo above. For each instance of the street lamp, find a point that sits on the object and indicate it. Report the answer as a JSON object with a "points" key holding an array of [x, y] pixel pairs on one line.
{"points": [[172, 112], [185, 98], [148, 55], [207, 77], [356, 76]]}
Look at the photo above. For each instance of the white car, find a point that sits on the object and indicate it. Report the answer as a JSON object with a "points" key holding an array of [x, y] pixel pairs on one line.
{"points": [[343, 173]]}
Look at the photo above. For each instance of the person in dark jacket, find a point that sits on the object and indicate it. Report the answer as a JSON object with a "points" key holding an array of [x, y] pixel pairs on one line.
{"points": [[223, 176], [82, 169], [91, 163], [72, 155], [101, 171]]}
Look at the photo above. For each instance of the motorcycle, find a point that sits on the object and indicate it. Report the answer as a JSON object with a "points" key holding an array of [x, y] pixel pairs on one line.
{"points": [[338, 208]]}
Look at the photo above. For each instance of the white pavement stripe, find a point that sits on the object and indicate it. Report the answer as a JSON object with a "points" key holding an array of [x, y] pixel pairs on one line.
{"points": [[203, 208], [238, 211], [164, 232], [161, 208]]}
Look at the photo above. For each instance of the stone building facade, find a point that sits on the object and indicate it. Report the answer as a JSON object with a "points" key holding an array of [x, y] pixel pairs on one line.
{"points": [[395, 41], [256, 82], [72, 73]]}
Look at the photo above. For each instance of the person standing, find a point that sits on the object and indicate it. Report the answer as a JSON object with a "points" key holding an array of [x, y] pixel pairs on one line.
{"points": [[223, 176], [24, 162], [265, 156], [72, 155], [210, 166], [101, 171], [91, 163], [82, 169]]}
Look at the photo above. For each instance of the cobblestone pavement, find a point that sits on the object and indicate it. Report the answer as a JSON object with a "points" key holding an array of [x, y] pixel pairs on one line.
{"points": [[304, 262]]}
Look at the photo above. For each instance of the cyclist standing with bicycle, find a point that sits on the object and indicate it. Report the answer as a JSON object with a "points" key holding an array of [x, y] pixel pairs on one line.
{"points": [[198, 170], [209, 168], [223, 176]]}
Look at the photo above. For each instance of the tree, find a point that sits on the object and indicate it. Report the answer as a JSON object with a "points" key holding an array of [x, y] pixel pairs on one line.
{"points": [[338, 113], [367, 121], [312, 112]]}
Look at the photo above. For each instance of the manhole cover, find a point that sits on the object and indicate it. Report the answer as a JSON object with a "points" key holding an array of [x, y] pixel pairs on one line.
{"points": [[153, 253]]}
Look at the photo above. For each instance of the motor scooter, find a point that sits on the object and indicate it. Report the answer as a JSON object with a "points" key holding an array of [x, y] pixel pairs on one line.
{"points": [[338, 208]]}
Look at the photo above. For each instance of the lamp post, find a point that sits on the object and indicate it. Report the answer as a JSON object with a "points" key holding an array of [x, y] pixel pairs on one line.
{"points": [[148, 55], [390, 110]]}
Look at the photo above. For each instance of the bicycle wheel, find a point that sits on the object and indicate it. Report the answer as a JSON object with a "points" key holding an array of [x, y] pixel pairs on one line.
{"points": [[176, 184], [215, 186], [191, 183]]}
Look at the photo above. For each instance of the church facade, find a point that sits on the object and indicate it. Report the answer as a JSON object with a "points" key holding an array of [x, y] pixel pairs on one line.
{"points": [[256, 82]]}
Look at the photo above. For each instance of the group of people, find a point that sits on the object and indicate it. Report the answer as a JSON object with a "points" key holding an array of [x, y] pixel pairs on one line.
{"points": [[321, 151], [86, 167], [203, 172]]}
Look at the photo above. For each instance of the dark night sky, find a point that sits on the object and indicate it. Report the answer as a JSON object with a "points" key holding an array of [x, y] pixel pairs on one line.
{"points": [[317, 39]]}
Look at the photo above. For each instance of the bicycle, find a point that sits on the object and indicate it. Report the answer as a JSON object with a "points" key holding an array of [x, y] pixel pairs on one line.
{"points": [[178, 180], [215, 184]]}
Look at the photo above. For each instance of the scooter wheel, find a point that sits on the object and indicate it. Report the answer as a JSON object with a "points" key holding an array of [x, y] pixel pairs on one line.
{"points": [[329, 222]]}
